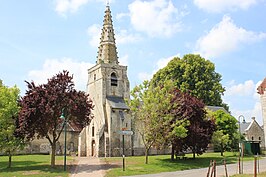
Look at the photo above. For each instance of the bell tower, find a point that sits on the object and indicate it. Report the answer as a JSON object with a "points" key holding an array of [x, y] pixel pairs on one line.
{"points": [[108, 87]]}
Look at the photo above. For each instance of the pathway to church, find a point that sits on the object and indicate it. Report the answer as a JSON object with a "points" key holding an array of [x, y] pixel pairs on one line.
{"points": [[89, 166], [93, 167]]}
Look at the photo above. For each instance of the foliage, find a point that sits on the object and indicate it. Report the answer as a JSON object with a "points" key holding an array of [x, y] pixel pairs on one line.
{"points": [[150, 108], [199, 130], [227, 136], [42, 106], [9, 108], [220, 140], [195, 75]]}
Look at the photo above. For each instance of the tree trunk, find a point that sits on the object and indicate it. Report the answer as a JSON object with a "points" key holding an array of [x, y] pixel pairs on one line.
{"points": [[53, 154], [194, 155], [146, 155], [173, 153], [9, 159], [222, 151]]}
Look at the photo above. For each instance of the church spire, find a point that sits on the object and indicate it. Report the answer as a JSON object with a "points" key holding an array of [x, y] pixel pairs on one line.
{"points": [[107, 50]]}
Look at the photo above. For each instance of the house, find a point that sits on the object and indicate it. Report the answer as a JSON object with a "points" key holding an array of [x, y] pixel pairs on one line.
{"points": [[252, 131]]}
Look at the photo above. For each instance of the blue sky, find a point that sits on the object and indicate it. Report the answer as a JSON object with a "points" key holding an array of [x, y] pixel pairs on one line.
{"points": [[40, 38]]}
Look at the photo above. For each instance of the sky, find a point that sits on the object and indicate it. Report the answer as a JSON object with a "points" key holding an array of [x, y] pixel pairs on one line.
{"points": [[39, 39]]}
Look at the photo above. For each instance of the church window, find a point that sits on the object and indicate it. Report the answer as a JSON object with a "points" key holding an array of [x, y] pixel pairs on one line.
{"points": [[259, 138], [252, 138], [92, 132], [113, 79], [126, 124], [121, 113], [94, 76]]}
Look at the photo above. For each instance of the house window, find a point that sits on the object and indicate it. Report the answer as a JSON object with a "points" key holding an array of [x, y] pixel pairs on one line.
{"points": [[113, 79], [94, 76], [92, 132], [259, 138], [252, 138]]}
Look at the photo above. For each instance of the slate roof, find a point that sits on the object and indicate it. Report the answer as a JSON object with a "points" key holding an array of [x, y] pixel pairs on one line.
{"points": [[117, 102], [244, 126], [216, 108]]}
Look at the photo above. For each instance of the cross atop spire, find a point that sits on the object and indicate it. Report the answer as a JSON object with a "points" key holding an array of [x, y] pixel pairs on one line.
{"points": [[107, 50]]}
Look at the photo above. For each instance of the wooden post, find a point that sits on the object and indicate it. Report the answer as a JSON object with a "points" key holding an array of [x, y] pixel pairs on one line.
{"points": [[214, 164], [258, 162], [239, 167], [208, 173], [225, 168], [242, 155], [212, 169], [255, 166]]}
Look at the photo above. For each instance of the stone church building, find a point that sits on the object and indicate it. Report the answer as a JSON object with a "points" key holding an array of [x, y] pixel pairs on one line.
{"points": [[108, 86]]}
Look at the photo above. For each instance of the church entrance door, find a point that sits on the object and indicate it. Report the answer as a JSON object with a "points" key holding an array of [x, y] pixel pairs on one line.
{"points": [[93, 148]]}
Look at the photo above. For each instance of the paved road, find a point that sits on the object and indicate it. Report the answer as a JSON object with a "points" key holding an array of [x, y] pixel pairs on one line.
{"points": [[92, 167]]}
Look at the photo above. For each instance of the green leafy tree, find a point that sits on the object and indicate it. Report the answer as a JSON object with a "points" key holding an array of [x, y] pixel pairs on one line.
{"points": [[220, 140], [226, 136], [195, 75], [9, 141], [42, 106], [150, 107]]}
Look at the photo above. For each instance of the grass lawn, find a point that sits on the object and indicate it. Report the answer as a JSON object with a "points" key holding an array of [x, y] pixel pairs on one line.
{"points": [[33, 166], [136, 165], [251, 175]]}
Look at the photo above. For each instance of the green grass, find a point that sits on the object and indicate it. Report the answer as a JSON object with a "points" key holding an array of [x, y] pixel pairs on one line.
{"points": [[251, 175], [136, 165], [32, 166]]}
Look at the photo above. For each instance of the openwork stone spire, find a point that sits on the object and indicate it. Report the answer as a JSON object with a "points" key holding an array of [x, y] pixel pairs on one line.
{"points": [[107, 50]]}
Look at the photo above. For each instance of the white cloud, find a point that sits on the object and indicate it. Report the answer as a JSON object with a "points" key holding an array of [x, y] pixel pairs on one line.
{"points": [[244, 100], [94, 32], [223, 5], [255, 111], [225, 37], [245, 89], [144, 76], [161, 63], [121, 36], [123, 60], [121, 15], [156, 18], [52, 67], [63, 7]]}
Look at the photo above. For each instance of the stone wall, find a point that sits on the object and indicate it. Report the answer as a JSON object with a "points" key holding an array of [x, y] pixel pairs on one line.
{"points": [[43, 146]]}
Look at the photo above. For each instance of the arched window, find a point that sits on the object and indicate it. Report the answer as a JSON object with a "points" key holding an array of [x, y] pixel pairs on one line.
{"points": [[92, 132], [113, 79], [252, 138]]}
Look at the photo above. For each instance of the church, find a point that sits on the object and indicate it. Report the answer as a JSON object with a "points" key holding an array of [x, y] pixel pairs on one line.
{"points": [[108, 87]]}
